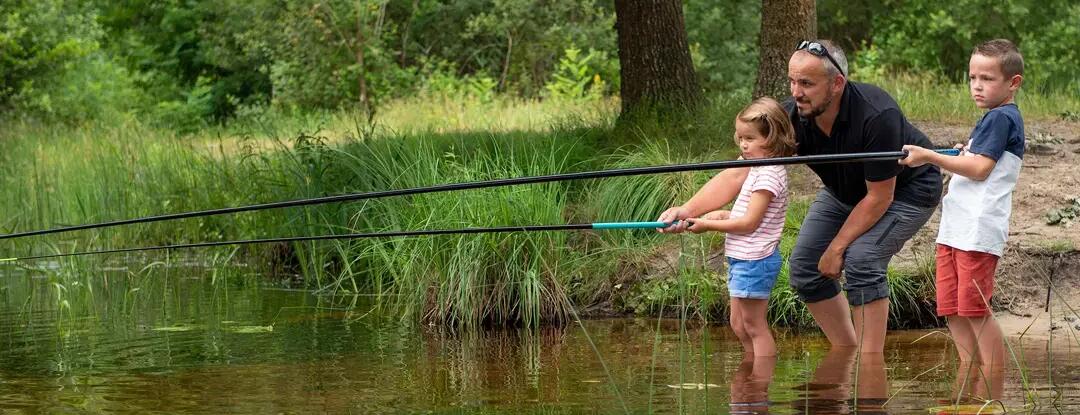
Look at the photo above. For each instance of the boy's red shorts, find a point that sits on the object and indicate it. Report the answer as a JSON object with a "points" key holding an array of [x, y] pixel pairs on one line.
{"points": [[964, 280]]}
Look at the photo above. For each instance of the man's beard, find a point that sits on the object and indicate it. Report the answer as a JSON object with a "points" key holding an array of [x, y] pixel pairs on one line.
{"points": [[820, 109]]}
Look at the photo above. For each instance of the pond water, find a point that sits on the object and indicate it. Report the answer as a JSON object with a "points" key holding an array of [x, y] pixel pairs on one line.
{"points": [[184, 340]]}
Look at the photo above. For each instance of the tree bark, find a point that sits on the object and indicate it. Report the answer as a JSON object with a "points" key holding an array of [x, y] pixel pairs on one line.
{"points": [[654, 56], [784, 23]]}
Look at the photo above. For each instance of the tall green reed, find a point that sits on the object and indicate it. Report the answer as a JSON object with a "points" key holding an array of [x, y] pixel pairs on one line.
{"points": [[496, 278]]}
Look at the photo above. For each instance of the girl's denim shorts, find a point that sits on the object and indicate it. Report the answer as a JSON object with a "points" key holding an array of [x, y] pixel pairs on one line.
{"points": [[753, 278]]}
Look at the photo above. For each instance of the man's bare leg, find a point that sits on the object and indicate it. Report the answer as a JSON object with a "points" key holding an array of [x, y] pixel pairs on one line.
{"points": [[871, 321], [834, 318]]}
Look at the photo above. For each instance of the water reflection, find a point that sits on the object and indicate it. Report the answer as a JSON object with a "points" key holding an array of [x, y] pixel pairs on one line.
{"points": [[976, 383], [830, 386], [168, 342], [750, 385]]}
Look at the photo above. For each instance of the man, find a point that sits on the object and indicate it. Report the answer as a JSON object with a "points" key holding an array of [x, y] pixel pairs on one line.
{"points": [[867, 211]]}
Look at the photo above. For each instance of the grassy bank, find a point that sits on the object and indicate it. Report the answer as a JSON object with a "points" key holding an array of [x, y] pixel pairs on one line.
{"points": [[123, 168]]}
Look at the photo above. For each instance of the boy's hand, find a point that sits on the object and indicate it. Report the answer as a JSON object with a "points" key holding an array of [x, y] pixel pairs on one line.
{"points": [[718, 215], [677, 213], [917, 156], [699, 225]]}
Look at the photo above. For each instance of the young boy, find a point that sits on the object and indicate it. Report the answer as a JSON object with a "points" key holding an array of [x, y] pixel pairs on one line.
{"points": [[975, 212]]}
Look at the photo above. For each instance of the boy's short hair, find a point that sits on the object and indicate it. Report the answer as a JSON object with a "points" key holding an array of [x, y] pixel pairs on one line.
{"points": [[1012, 63]]}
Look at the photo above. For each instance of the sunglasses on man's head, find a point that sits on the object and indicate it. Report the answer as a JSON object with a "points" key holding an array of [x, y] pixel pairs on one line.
{"points": [[819, 50]]}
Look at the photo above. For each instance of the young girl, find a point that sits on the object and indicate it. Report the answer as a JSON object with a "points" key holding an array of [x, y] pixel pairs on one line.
{"points": [[754, 223]]}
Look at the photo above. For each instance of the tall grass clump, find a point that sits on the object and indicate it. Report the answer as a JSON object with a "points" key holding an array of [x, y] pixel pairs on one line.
{"points": [[463, 279], [109, 171], [641, 198]]}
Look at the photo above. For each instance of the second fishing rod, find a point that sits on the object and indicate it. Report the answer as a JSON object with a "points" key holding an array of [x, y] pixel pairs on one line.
{"points": [[632, 171], [365, 235]]}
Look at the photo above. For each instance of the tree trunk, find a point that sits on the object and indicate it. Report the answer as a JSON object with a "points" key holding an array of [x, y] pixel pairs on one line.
{"points": [[784, 23], [654, 56]]}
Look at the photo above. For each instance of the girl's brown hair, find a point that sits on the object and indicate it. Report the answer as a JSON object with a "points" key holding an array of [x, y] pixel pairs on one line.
{"points": [[773, 123]]}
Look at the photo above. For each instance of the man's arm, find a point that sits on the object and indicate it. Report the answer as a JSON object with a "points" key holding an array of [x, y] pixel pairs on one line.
{"points": [[879, 195]]}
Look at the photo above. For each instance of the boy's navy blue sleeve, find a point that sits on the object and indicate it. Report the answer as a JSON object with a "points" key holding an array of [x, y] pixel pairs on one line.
{"points": [[991, 135]]}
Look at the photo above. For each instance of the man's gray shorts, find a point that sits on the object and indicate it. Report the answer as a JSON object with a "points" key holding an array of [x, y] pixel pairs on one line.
{"points": [[865, 261]]}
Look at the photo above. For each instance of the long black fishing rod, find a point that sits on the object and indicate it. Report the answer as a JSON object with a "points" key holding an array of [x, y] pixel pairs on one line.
{"points": [[432, 232], [632, 171]]}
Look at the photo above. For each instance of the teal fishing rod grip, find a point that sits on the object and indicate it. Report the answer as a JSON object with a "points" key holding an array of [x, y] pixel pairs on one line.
{"points": [[632, 225]]}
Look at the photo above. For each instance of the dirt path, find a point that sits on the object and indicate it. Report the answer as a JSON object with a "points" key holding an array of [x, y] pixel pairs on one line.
{"points": [[1036, 250]]}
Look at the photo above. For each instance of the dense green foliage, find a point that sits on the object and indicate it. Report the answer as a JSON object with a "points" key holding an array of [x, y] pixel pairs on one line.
{"points": [[937, 37], [187, 63]]}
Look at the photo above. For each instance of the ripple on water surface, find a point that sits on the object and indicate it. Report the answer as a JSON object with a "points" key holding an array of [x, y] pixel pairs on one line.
{"points": [[178, 344]]}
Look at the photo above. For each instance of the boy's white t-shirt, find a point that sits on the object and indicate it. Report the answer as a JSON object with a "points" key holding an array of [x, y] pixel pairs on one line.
{"points": [[762, 241], [975, 214]]}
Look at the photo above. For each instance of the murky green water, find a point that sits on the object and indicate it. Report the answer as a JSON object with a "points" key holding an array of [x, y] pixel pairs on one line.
{"points": [[182, 340]]}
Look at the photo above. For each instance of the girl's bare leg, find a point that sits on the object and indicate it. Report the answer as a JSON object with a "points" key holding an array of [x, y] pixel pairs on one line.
{"points": [[756, 325]]}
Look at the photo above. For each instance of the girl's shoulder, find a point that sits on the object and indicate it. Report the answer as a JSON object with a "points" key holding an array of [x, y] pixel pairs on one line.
{"points": [[768, 177], [774, 171]]}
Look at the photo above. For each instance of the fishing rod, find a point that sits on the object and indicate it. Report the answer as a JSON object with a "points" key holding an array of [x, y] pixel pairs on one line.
{"points": [[631, 171], [431, 232]]}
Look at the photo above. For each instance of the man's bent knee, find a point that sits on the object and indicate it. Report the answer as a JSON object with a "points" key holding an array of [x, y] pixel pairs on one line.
{"points": [[807, 281], [814, 291], [866, 280]]}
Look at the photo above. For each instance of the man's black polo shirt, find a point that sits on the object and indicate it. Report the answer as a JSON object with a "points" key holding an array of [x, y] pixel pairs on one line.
{"points": [[869, 121]]}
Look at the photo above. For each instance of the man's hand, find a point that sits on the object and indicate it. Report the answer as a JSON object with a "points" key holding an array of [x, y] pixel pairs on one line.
{"points": [[832, 261], [677, 213]]}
